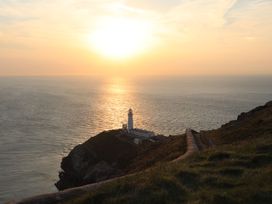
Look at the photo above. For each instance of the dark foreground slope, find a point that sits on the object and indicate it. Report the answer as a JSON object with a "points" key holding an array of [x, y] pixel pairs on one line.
{"points": [[237, 170], [113, 153]]}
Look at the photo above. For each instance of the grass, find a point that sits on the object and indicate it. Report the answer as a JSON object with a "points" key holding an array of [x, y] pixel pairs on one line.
{"points": [[233, 173]]}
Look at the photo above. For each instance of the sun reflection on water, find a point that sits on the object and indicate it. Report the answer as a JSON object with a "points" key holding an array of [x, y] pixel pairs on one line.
{"points": [[117, 86], [114, 103]]}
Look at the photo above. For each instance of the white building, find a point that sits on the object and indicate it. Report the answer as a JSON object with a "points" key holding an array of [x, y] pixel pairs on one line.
{"points": [[136, 132], [142, 133], [130, 120]]}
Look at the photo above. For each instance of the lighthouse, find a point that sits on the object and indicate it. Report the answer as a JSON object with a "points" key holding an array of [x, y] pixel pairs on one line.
{"points": [[136, 132], [130, 120]]}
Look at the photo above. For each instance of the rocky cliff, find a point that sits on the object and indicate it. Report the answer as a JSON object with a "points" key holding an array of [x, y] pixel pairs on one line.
{"points": [[237, 169], [113, 153]]}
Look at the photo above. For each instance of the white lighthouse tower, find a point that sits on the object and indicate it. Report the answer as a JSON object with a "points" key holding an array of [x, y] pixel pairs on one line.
{"points": [[130, 120]]}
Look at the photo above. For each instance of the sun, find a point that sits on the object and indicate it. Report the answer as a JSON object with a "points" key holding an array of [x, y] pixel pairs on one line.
{"points": [[121, 37]]}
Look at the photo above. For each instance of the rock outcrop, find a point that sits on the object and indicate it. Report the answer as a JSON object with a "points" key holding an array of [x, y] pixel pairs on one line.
{"points": [[113, 153]]}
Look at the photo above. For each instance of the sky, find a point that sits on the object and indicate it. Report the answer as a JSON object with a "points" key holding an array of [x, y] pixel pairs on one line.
{"points": [[129, 37]]}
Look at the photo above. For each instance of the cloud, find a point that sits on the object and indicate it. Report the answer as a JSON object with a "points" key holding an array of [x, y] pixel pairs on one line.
{"points": [[56, 30], [176, 19], [239, 7], [154, 4], [13, 19]]}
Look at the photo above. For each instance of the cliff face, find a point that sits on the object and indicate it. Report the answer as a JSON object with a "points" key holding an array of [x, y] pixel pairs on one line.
{"points": [[113, 153], [237, 169], [98, 158]]}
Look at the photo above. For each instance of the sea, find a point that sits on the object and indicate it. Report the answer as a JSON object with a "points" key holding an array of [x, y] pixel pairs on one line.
{"points": [[43, 118]]}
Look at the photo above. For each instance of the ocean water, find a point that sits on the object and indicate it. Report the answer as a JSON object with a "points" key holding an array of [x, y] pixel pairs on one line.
{"points": [[42, 119]]}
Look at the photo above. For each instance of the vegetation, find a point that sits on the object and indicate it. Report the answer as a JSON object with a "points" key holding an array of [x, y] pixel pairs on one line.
{"points": [[226, 174], [237, 170]]}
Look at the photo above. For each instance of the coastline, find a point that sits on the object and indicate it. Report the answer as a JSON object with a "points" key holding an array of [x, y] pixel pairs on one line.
{"points": [[243, 118]]}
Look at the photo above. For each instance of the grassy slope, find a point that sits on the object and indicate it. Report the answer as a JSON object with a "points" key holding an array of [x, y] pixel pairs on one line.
{"points": [[229, 174], [237, 171]]}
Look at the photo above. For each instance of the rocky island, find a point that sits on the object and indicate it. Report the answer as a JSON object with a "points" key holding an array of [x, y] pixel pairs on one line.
{"points": [[231, 164], [236, 168], [114, 153]]}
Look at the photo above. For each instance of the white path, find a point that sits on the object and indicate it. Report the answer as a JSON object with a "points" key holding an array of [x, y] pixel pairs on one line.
{"points": [[191, 146]]}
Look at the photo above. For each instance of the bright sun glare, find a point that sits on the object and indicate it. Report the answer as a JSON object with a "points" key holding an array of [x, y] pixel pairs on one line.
{"points": [[121, 37]]}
